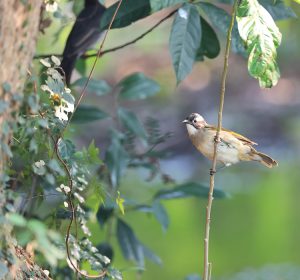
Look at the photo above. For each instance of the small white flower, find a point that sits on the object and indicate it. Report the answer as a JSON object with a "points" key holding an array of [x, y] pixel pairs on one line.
{"points": [[45, 62], [66, 204], [94, 249], [65, 188], [47, 272], [39, 163], [51, 7], [63, 109], [55, 60], [106, 260], [59, 189], [79, 197]]}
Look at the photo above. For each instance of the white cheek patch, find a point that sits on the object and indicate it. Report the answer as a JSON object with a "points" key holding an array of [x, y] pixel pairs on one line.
{"points": [[191, 129]]}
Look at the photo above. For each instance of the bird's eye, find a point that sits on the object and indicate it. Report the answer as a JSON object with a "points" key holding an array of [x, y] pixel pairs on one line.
{"points": [[194, 121]]}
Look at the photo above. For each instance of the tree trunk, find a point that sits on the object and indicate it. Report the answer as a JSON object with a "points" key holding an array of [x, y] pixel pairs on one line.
{"points": [[19, 27]]}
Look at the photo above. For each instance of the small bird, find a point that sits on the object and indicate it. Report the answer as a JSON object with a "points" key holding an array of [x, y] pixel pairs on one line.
{"points": [[232, 147], [85, 32]]}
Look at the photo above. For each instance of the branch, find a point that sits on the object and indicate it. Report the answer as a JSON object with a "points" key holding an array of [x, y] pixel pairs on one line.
{"points": [[207, 264], [86, 56]]}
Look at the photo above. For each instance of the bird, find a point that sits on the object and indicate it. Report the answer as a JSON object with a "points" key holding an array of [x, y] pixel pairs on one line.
{"points": [[85, 32], [232, 147]]}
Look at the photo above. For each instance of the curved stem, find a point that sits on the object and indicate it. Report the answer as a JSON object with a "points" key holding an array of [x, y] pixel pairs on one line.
{"points": [[207, 264]]}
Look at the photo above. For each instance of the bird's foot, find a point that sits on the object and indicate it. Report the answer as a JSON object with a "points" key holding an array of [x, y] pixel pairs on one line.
{"points": [[212, 172], [217, 139]]}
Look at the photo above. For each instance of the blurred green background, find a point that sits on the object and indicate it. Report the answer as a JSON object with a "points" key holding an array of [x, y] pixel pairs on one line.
{"points": [[258, 226]]}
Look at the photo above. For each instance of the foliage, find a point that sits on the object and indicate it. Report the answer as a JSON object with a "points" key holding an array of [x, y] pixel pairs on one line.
{"points": [[50, 179], [262, 37]]}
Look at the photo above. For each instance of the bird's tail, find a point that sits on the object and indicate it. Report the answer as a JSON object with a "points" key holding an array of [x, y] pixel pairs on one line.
{"points": [[266, 160], [67, 65]]}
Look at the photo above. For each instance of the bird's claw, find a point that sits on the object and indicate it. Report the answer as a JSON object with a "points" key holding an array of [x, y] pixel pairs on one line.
{"points": [[212, 172], [217, 139]]}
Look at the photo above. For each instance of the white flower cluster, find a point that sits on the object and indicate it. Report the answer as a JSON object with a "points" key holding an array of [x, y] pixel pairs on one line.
{"points": [[63, 188], [61, 97], [51, 6]]}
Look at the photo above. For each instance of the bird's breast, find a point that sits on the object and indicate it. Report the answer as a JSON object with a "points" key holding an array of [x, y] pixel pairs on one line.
{"points": [[204, 142]]}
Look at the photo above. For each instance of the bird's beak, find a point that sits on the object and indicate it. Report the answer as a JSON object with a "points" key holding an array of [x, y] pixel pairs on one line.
{"points": [[185, 121]]}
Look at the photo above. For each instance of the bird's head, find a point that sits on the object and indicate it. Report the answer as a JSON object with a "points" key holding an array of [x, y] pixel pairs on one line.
{"points": [[195, 121]]}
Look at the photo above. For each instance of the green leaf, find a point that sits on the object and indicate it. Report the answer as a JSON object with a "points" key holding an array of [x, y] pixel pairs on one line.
{"points": [[157, 5], [277, 9], [17, 220], [88, 113], [93, 153], [131, 122], [137, 86], [150, 255], [129, 12], [116, 158], [103, 214], [262, 37], [66, 149], [161, 214], [188, 190], [221, 20], [100, 87], [210, 45], [54, 166], [130, 246], [185, 39], [120, 202]]}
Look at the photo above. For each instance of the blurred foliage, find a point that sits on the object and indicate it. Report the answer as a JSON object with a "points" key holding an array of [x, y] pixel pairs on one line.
{"points": [[43, 187]]}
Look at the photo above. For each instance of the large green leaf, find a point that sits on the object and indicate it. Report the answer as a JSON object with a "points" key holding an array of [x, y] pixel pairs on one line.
{"points": [[157, 5], [103, 214], [129, 12], [137, 86], [88, 113], [210, 45], [185, 40], [129, 244], [100, 87], [262, 37], [131, 247], [188, 190], [160, 214], [131, 122], [116, 158], [221, 20]]}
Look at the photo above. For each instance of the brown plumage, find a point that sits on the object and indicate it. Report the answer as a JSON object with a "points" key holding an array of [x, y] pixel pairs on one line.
{"points": [[232, 148]]}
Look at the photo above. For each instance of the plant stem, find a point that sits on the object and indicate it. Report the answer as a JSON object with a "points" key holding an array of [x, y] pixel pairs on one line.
{"points": [[207, 264]]}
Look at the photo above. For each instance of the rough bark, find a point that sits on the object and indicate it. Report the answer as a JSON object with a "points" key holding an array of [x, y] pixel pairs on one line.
{"points": [[19, 22], [19, 27]]}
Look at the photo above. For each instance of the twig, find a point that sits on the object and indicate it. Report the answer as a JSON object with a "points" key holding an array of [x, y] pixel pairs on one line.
{"points": [[86, 56], [134, 40], [207, 265]]}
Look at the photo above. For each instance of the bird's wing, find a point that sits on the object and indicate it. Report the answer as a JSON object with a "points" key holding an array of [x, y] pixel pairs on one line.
{"points": [[85, 31], [240, 137]]}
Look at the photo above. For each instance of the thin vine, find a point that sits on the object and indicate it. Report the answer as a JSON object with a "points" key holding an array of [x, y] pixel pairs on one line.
{"points": [[207, 264], [56, 149]]}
